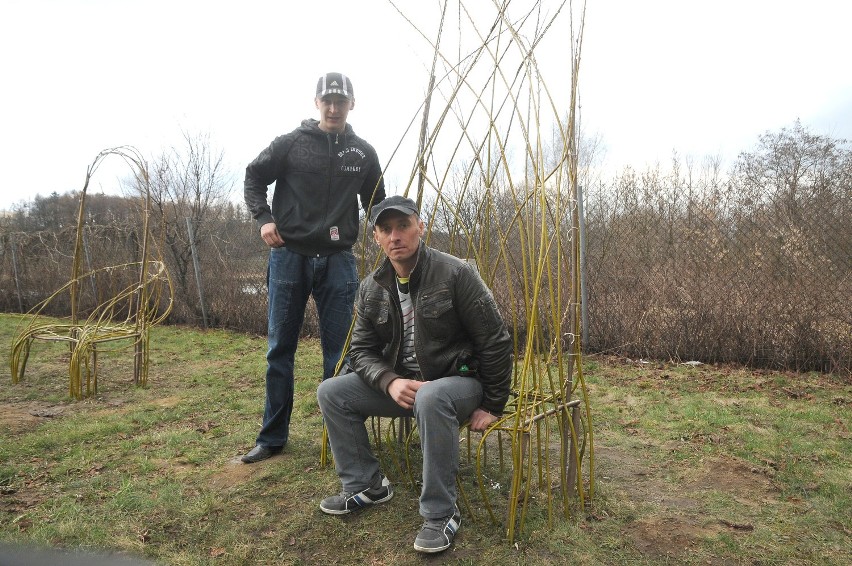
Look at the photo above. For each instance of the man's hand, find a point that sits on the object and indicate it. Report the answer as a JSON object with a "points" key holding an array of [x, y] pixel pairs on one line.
{"points": [[481, 420], [269, 234], [403, 391]]}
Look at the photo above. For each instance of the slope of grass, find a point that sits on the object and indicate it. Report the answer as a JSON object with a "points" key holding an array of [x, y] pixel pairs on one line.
{"points": [[693, 466]]}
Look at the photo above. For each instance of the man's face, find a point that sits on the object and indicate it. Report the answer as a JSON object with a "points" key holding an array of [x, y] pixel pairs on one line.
{"points": [[399, 236], [334, 108]]}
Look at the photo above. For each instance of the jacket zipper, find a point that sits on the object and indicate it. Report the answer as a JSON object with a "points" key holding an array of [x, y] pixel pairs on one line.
{"points": [[330, 177]]}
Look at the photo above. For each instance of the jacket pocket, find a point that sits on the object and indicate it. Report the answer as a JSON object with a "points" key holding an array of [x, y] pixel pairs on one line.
{"points": [[489, 314], [376, 309], [435, 303], [437, 317]]}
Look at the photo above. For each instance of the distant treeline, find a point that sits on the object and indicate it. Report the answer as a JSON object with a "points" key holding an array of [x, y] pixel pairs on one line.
{"points": [[751, 265]]}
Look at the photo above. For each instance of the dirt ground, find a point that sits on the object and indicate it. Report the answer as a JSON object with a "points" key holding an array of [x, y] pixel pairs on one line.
{"points": [[18, 417], [670, 521]]}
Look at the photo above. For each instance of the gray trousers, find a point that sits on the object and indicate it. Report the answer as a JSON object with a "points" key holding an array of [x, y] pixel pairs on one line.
{"points": [[440, 407]]}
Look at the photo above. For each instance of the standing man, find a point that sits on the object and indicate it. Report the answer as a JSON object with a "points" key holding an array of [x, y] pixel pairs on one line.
{"points": [[428, 342], [321, 170]]}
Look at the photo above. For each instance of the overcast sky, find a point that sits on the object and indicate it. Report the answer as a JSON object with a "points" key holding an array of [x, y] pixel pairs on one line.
{"points": [[657, 76]]}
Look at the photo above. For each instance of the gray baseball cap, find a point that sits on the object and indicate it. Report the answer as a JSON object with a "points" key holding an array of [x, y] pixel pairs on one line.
{"points": [[402, 204]]}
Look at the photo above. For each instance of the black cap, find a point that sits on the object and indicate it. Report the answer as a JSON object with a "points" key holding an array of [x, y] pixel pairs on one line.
{"points": [[396, 202], [335, 83]]}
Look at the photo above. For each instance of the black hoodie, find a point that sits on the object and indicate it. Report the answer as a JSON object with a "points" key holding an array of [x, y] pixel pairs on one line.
{"points": [[319, 178]]}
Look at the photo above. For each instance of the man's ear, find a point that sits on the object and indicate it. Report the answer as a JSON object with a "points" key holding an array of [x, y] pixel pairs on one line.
{"points": [[376, 236], [351, 105], [317, 103]]}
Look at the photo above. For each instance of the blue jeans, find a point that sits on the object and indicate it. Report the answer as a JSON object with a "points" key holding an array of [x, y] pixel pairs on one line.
{"points": [[291, 278], [440, 407]]}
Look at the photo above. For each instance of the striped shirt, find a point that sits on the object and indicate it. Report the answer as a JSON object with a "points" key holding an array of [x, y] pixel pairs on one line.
{"points": [[409, 356]]}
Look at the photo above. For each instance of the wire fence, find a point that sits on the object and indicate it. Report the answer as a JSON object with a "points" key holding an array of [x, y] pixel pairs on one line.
{"points": [[707, 272], [674, 270]]}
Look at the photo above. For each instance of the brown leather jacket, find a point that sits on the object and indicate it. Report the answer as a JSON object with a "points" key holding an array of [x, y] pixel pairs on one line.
{"points": [[458, 329]]}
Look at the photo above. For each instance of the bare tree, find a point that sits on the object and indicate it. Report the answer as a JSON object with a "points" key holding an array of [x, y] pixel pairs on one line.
{"points": [[795, 168], [187, 184]]}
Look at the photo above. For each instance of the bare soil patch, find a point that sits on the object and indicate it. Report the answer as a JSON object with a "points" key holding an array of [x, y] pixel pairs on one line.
{"points": [[19, 417], [235, 472], [672, 519]]}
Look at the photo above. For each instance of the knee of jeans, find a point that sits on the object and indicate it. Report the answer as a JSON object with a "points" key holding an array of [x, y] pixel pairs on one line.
{"points": [[329, 390], [322, 392], [430, 397]]}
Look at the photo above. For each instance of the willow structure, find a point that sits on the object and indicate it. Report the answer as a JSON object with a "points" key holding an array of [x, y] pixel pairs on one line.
{"points": [[496, 176], [112, 308]]}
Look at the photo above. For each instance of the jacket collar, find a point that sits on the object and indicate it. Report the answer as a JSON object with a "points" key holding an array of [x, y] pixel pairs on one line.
{"points": [[311, 125], [385, 274]]}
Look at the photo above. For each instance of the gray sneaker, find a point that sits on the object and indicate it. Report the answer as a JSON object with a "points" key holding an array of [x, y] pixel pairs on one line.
{"points": [[438, 534], [347, 502]]}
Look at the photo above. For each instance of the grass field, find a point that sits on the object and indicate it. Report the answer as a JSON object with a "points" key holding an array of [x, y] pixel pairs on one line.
{"points": [[693, 465]]}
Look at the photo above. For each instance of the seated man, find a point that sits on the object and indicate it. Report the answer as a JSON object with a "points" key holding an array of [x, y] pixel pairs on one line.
{"points": [[428, 342]]}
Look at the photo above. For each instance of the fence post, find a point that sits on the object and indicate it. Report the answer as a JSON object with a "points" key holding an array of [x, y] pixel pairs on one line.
{"points": [[584, 298], [197, 268], [89, 263], [13, 243]]}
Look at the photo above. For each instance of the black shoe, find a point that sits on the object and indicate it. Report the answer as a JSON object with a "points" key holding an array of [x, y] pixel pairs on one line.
{"points": [[259, 453], [347, 502]]}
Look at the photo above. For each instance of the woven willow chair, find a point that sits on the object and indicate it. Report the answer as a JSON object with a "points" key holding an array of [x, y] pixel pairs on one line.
{"points": [[126, 316], [540, 443], [126, 301]]}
